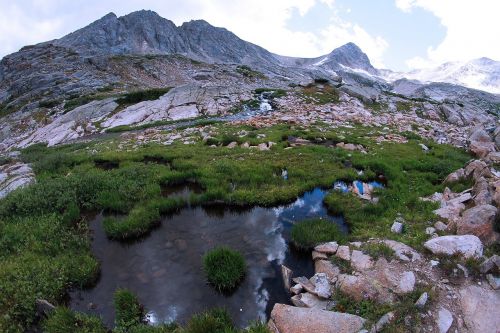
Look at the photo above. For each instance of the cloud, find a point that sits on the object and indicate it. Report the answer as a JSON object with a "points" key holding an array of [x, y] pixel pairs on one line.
{"points": [[19, 28], [472, 30]]}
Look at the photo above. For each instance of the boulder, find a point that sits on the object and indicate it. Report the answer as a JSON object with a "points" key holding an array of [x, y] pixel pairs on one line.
{"points": [[478, 304], [289, 319], [326, 267], [319, 256], [44, 308], [476, 169], [397, 227], [402, 251], [381, 283], [467, 245], [308, 300], [494, 281], [450, 212], [344, 253], [481, 149], [327, 248], [305, 283], [483, 195], [491, 264], [361, 261], [440, 226], [422, 301], [479, 221], [383, 322], [455, 176], [444, 320], [321, 285]]}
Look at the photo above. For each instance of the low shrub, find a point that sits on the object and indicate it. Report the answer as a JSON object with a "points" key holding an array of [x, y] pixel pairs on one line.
{"points": [[307, 234], [142, 95], [225, 268]]}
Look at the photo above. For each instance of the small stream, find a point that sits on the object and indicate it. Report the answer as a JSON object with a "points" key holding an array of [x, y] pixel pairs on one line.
{"points": [[165, 269], [247, 112]]}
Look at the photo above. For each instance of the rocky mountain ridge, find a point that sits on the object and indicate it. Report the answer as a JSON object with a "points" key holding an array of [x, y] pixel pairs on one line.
{"points": [[212, 70]]}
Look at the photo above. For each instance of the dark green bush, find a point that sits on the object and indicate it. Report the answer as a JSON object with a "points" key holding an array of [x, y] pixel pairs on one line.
{"points": [[142, 95], [225, 268], [307, 234]]}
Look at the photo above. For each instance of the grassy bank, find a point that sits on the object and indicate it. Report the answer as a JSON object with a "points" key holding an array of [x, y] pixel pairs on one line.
{"points": [[44, 247]]}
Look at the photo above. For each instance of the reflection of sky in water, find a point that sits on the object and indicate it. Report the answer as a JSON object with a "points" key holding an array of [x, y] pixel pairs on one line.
{"points": [[165, 269]]}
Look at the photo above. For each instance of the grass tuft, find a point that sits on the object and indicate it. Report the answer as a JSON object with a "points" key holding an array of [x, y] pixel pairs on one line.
{"points": [[307, 234], [225, 268]]}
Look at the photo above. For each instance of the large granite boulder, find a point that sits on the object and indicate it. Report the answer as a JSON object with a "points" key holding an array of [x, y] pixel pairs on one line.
{"points": [[289, 319], [479, 221], [467, 245]]}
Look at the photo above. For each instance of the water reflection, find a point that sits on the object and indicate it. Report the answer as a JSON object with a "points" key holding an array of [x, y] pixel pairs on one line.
{"points": [[165, 269]]}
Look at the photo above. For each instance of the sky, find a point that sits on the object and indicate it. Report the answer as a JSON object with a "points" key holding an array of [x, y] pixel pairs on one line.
{"points": [[398, 34]]}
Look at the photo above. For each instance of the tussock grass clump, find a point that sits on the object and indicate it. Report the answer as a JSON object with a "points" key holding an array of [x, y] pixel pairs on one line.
{"points": [[307, 234], [214, 321], [65, 320], [129, 312], [224, 267]]}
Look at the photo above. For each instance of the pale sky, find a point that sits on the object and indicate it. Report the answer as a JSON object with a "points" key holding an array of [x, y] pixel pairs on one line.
{"points": [[396, 34]]}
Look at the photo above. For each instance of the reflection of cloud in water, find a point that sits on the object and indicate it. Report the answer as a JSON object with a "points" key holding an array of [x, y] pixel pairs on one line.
{"points": [[299, 203], [278, 211], [316, 208], [276, 246], [261, 298]]}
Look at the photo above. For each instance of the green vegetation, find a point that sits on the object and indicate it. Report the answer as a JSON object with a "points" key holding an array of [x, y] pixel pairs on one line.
{"points": [[461, 185], [366, 308], [320, 94], [44, 243], [307, 234], [142, 95], [77, 101], [64, 320], [276, 93], [225, 268], [403, 307], [249, 72], [200, 121], [123, 100], [49, 103], [378, 250], [342, 264], [411, 174], [128, 310]]}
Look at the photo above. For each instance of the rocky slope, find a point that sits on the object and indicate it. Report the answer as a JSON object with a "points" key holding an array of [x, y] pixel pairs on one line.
{"points": [[216, 70]]}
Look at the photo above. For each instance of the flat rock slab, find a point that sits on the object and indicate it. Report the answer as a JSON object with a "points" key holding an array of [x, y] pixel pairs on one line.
{"points": [[480, 308], [467, 245], [289, 319]]}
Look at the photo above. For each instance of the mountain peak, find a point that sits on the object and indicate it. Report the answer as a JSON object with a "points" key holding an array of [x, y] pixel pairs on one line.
{"points": [[142, 14], [350, 55]]}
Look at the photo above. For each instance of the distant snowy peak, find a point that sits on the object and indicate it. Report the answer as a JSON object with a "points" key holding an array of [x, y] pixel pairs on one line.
{"points": [[482, 74]]}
